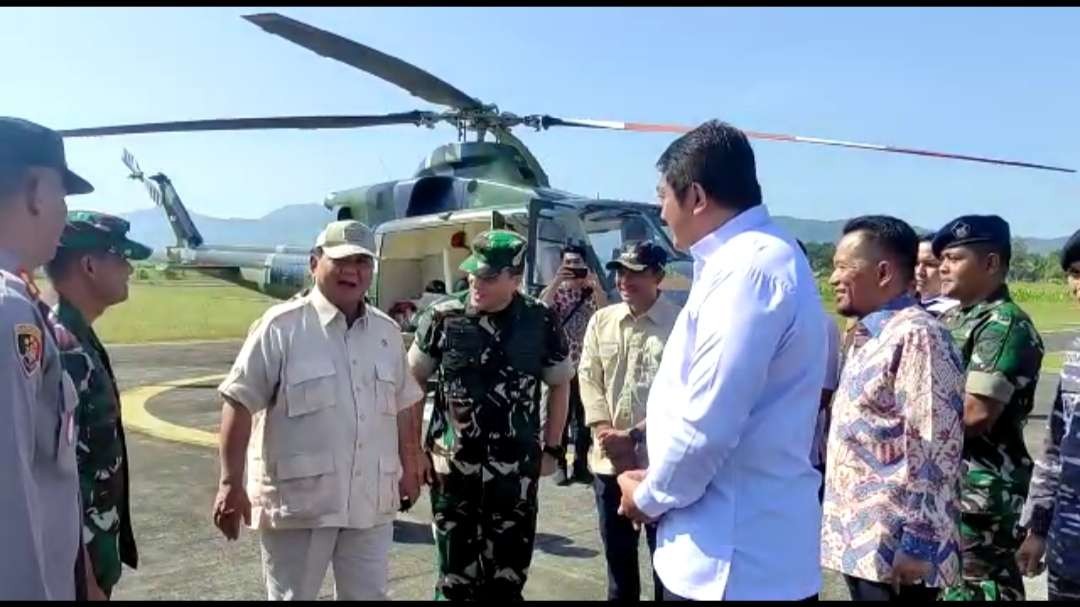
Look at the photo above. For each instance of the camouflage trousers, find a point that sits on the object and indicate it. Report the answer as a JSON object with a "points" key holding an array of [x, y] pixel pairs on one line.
{"points": [[104, 551], [485, 524], [988, 545], [1060, 588]]}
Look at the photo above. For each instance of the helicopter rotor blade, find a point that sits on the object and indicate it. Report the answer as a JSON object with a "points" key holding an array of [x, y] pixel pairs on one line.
{"points": [[244, 124], [396, 71], [645, 127], [132, 164]]}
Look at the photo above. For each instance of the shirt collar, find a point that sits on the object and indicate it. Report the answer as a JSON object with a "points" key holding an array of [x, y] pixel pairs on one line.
{"points": [[327, 311], [658, 313], [876, 320], [8, 261], [755, 216], [72, 319]]}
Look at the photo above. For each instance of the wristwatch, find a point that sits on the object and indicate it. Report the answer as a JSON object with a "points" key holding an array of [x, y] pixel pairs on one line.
{"points": [[637, 435], [559, 453]]}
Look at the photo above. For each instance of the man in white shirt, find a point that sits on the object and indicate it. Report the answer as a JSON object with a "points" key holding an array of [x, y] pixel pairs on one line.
{"points": [[731, 413], [322, 391]]}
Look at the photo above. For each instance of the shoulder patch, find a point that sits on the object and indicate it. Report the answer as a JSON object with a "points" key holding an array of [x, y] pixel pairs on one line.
{"points": [[29, 345]]}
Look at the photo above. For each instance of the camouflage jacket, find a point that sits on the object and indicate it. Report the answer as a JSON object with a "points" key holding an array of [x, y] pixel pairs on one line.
{"points": [[101, 452], [489, 368], [1053, 505], [1003, 353]]}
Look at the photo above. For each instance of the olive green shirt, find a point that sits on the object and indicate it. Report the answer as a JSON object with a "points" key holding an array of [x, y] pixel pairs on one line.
{"points": [[619, 360]]}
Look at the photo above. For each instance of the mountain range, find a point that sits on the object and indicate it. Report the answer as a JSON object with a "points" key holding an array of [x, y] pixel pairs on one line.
{"points": [[299, 224]]}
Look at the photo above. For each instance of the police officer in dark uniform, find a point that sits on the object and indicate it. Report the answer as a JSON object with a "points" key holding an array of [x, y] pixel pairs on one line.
{"points": [[40, 518], [1002, 353], [490, 347]]}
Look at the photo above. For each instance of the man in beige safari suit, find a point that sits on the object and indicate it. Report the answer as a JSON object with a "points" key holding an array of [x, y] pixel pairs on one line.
{"points": [[621, 353], [322, 389]]}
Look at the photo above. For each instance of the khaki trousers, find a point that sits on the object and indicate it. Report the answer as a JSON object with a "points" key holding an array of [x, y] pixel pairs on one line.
{"points": [[295, 562]]}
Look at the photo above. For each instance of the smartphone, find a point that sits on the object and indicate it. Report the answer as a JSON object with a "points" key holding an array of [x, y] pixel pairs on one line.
{"points": [[579, 272]]}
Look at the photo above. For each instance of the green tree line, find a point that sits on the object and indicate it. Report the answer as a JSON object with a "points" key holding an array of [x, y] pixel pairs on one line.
{"points": [[1026, 266]]}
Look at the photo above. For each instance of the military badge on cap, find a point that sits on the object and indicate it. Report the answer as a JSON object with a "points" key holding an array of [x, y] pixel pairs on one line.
{"points": [[30, 347], [961, 230]]}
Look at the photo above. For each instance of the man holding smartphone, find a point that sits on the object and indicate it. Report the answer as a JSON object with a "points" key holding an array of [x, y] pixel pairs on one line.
{"points": [[575, 294]]}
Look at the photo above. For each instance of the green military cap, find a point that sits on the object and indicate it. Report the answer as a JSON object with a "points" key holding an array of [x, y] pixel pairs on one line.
{"points": [[971, 229], [90, 230], [494, 251]]}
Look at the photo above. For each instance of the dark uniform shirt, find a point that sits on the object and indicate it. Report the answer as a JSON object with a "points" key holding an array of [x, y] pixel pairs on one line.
{"points": [[1003, 353], [1053, 505], [101, 451], [490, 367]]}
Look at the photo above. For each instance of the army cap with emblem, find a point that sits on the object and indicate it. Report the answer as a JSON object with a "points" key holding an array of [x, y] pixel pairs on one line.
{"points": [[93, 231], [26, 144], [639, 256], [494, 251], [971, 229], [341, 239]]}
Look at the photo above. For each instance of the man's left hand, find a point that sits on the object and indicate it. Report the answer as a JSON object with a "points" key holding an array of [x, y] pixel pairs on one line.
{"points": [[413, 477], [628, 483], [908, 570]]}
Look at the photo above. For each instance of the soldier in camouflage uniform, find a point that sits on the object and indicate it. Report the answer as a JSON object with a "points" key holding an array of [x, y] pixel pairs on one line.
{"points": [[90, 274], [1052, 513], [1003, 353], [490, 348]]}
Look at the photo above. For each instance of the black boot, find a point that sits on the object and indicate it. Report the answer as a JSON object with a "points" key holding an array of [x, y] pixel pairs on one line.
{"points": [[581, 472], [560, 477]]}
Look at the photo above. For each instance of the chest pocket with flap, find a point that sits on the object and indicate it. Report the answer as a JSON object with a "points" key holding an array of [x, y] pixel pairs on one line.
{"points": [[309, 387], [386, 387]]}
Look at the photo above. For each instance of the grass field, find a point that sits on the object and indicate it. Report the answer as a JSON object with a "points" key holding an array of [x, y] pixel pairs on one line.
{"points": [[193, 307]]}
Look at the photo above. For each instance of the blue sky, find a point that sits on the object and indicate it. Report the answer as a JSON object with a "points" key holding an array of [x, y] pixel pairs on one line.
{"points": [[996, 82]]}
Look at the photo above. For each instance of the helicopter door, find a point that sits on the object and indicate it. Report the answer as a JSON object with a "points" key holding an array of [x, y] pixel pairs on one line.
{"points": [[551, 226]]}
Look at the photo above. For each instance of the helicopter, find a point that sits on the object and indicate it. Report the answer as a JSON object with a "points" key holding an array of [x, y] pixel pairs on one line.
{"points": [[423, 223]]}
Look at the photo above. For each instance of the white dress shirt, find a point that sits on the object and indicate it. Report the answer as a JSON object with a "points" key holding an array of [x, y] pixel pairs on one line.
{"points": [[731, 421]]}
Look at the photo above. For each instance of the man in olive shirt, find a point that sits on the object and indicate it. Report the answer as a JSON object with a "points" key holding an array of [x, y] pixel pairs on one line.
{"points": [[620, 355]]}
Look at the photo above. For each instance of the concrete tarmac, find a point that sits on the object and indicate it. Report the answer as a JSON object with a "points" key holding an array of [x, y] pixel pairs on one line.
{"points": [[184, 557]]}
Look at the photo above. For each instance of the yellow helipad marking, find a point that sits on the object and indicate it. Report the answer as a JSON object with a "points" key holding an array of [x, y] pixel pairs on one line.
{"points": [[139, 419]]}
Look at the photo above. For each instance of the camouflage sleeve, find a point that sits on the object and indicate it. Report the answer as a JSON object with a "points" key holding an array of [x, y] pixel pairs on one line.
{"points": [[1039, 507], [426, 351], [1005, 358], [557, 367], [79, 368]]}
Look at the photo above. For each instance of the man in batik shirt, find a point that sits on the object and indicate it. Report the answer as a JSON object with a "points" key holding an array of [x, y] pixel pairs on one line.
{"points": [[895, 444]]}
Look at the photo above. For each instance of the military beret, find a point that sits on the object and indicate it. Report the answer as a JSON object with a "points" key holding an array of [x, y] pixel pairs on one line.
{"points": [[90, 230], [1071, 253], [971, 229]]}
